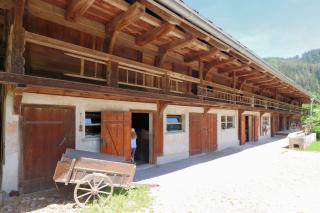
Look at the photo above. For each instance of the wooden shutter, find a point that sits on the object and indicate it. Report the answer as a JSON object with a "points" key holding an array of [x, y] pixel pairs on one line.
{"points": [[195, 143], [242, 130], [116, 133], [256, 128], [212, 132]]}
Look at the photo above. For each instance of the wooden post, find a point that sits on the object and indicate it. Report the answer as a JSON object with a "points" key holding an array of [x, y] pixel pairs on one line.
{"points": [[201, 78], [158, 130], [242, 127], [15, 61], [113, 74], [166, 84]]}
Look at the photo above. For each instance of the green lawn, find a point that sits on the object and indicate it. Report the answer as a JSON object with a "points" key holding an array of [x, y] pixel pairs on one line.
{"points": [[314, 147], [133, 200]]}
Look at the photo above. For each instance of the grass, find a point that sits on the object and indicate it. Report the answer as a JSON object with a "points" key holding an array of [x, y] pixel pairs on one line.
{"points": [[314, 147], [132, 200]]}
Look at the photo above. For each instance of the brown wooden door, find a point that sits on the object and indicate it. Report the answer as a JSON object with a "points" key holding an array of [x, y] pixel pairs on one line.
{"points": [[212, 132], [47, 132], [195, 140], [242, 125], [115, 133], [256, 128]]}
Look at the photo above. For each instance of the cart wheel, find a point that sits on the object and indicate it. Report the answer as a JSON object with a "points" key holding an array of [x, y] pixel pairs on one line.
{"points": [[95, 188]]}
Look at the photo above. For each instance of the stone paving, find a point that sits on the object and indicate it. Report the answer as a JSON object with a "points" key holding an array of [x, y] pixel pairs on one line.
{"points": [[257, 177]]}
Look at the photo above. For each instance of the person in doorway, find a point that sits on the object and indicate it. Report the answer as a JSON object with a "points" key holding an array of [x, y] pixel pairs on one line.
{"points": [[133, 144]]}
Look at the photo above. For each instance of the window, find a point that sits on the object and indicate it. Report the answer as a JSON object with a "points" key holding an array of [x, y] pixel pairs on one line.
{"points": [[93, 123], [174, 123], [227, 122]]}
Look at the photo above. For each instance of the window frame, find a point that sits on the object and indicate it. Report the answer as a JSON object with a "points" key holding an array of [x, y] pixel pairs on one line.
{"points": [[179, 123], [225, 122]]}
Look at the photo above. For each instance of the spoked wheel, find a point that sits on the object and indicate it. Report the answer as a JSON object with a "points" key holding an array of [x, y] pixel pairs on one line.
{"points": [[93, 188]]}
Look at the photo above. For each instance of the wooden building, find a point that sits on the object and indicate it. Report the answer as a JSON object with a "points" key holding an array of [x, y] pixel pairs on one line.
{"points": [[82, 73]]}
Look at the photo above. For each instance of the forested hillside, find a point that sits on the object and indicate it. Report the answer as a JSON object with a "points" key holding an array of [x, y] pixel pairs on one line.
{"points": [[304, 70]]}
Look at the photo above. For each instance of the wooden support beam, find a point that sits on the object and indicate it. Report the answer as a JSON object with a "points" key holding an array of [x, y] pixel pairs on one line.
{"points": [[263, 82], [223, 63], [201, 70], [238, 69], [17, 99], [77, 8], [267, 85], [16, 45], [7, 4], [178, 44], [255, 77], [154, 34], [201, 55], [243, 75], [134, 12]]}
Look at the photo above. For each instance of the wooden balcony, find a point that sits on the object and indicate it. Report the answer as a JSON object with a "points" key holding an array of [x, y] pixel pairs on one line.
{"points": [[252, 100], [96, 67]]}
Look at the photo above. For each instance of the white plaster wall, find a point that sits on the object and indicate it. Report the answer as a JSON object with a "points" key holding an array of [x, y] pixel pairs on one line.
{"points": [[11, 146], [82, 105], [12, 135], [226, 137], [176, 144]]}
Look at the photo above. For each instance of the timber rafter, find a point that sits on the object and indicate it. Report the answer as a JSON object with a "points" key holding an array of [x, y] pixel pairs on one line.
{"points": [[77, 8]]}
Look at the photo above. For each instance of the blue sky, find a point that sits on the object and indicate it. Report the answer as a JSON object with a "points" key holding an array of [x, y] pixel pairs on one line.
{"points": [[281, 28]]}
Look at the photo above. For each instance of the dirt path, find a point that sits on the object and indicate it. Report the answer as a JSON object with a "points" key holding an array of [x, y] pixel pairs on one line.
{"points": [[264, 178], [261, 177]]}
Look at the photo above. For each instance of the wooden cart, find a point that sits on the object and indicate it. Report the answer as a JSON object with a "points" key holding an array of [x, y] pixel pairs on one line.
{"points": [[94, 174]]}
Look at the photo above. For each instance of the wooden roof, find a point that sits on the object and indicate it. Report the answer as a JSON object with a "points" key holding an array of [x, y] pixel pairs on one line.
{"points": [[150, 27]]}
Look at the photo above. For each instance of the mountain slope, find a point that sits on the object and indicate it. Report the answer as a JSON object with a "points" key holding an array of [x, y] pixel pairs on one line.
{"points": [[304, 70]]}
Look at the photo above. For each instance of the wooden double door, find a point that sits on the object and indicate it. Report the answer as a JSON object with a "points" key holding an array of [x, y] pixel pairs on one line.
{"points": [[46, 133], [202, 133]]}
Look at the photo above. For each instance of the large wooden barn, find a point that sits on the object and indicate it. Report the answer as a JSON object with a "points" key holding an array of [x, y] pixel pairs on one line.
{"points": [[82, 73]]}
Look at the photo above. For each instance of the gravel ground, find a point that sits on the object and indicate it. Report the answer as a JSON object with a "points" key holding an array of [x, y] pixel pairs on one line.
{"points": [[264, 177], [260, 177]]}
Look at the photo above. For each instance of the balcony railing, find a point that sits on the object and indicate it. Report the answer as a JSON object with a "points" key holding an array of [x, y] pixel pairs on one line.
{"points": [[246, 100], [88, 64]]}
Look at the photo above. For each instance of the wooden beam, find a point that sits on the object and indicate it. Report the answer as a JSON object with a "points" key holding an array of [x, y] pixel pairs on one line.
{"points": [[177, 44], [16, 46], [266, 85], [171, 46], [7, 4], [223, 63], [101, 56], [154, 34], [201, 55], [251, 76], [234, 70], [135, 12], [255, 77], [77, 8]]}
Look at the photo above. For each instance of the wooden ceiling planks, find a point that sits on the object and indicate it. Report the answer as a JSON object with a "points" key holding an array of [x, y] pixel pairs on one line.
{"points": [[77, 8], [159, 31]]}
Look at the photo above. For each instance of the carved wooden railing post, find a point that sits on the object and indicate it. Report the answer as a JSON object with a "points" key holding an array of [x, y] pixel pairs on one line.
{"points": [[113, 74]]}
